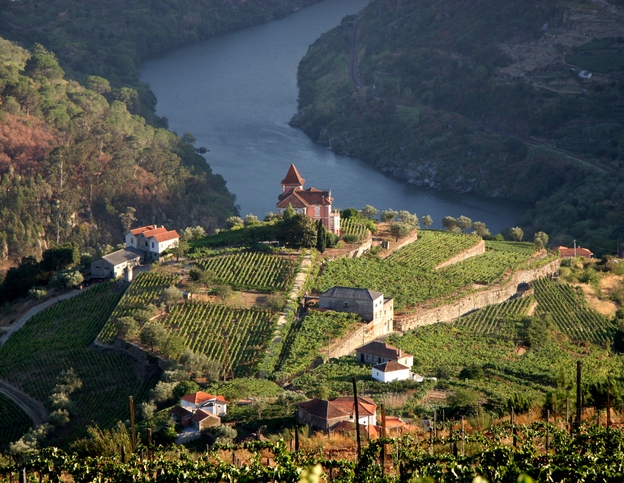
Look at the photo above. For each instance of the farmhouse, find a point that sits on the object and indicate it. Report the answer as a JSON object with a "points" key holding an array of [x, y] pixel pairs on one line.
{"points": [[391, 371], [114, 264], [152, 240], [327, 415], [368, 304], [216, 405], [565, 252], [315, 203], [379, 352]]}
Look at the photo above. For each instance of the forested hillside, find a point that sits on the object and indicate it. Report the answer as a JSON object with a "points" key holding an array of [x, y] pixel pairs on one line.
{"points": [[519, 99], [108, 38], [76, 165]]}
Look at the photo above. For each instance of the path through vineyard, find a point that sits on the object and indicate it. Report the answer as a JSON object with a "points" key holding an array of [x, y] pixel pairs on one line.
{"points": [[34, 409]]}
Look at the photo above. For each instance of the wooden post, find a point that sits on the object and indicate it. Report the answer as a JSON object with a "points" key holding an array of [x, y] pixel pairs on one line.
{"points": [[383, 446], [22, 475], [579, 395], [547, 430], [150, 455], [132, 424], [463, 434], [296, 436], [608, 407], [568, 413], [435, 424], [513, 427], [357, 420]]}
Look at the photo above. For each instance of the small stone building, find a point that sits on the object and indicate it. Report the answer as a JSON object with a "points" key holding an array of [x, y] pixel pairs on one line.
{"points": [[326, 415], [368, 304], [114, 264], [379, 352]]}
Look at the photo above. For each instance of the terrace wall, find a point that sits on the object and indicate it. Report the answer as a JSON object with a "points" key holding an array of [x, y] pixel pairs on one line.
{"points": [[363, 335], [474, 301], [478, 249]]}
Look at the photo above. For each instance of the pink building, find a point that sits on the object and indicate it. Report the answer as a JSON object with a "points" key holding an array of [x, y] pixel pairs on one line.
{"points": [[315, 203]]}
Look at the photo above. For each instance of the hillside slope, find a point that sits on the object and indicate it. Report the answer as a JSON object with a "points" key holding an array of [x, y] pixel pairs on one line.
{"points": [[482, 97], [76, 165]]}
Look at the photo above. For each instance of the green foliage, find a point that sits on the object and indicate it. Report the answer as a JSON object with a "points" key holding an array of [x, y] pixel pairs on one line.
{"points": [[185, 387], [14, 423], [297, 231]]}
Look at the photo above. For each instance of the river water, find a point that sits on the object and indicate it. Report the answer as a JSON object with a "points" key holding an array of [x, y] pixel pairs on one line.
{"points": [[236, 94]]}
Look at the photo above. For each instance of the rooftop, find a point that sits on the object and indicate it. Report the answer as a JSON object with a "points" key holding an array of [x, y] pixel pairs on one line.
{"points": [[122, 256], [390, 366], [293, 178], [381, 349], [352, 293]]}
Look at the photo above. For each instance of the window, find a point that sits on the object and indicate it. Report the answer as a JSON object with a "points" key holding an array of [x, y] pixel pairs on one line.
{"points": [[346, 305], [152, 244], [317, 211], [132, 241]]}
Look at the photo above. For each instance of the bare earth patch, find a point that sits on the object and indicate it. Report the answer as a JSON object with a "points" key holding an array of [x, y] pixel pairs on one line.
{"points": [[603, 307]]}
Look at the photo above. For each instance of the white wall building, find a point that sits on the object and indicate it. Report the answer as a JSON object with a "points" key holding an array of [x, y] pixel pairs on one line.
{"points": [[391, 371]]}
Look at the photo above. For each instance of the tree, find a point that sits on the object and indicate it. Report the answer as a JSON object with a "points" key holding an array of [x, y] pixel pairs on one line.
{"points": [[184, 388], [427, 221], [270, 216], [126, 327], [251, 220], [449, 223], [127, 218], [464, 402], [98, 84], [289, 212], [400, 230], [180, 249], [516, 233], [43, 63], [171, 295], [463, 222], [388, 215], [234, 221], [173, 346], [66, 279], [321, 239], [60, 257], [369, 212], [481, 230], [349, 213], [297, 232], [540, 239], [153, 334], [223, 292], [406, 217]]}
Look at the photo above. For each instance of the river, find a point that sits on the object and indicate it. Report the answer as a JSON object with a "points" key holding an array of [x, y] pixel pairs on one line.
{"points": [[236, 94]]}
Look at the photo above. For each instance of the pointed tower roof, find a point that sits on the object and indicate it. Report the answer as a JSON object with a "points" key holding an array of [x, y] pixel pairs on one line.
{"points": [[293, 178]]}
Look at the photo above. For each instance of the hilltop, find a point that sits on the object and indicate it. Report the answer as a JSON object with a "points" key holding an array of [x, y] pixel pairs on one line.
{"points": [[522, 100]]}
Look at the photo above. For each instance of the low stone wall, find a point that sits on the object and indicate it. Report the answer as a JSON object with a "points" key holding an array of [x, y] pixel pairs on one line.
{"points": [[406, 241], [474, 301], [365, 334], [478, 249]]}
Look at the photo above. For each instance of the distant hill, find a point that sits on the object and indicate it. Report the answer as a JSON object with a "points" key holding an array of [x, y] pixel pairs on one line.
{"points": [[76, 165], [517, 99]]}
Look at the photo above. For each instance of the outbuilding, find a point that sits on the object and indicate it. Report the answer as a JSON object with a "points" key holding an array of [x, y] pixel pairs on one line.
{"points": [[114, 264]]}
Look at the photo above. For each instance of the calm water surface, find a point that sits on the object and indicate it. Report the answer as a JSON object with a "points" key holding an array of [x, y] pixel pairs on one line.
{"points": [[236, 94]]}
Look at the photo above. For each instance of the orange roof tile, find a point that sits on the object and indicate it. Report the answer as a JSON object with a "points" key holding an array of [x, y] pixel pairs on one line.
{"points": [[366, 406], [200, 397], [299, 198], [151, 233], [569, 252], [293, 178], [170, 235], [138, 231]]}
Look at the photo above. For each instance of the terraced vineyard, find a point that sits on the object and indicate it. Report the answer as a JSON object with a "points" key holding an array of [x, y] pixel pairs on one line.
{"points": [[60, 338], [351, 226], [409, 276], [232, 336], [13, 423], [489, 319], [253, 270], [571, 313], [432, 248], [146, 289]]}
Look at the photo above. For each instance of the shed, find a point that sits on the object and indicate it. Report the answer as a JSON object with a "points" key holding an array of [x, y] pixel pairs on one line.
{"points": [[114, 264]]}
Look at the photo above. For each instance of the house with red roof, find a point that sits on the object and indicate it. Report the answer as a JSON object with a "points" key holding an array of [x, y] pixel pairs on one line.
{"points": [[391, 371], [565, 252], [313, 202], [377, 352], [216, 405], [324, 415], [152, 240]]}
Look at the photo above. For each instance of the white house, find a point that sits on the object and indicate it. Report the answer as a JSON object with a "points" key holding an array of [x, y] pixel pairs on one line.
{"points": [[152, 240], [379, 352], [391, 371], [114, 264], [216, 405]]}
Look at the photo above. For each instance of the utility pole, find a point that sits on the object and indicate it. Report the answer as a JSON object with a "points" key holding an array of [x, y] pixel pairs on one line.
{"points": [[574, 248], [579, 396], [357, 420], [132, 423]]}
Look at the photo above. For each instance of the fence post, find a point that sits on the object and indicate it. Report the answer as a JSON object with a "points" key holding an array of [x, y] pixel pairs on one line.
{"points": [[357, 420], [547, 429]]}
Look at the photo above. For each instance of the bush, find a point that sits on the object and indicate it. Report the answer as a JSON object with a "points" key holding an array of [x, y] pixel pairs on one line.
{"points": [[351, 238]]}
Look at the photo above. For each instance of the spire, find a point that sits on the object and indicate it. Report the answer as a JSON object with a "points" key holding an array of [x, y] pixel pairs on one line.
{"points": [[293, 178]]}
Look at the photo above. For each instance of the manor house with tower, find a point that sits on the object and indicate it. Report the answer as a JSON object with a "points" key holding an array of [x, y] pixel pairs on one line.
{"points": [[313, 202]]}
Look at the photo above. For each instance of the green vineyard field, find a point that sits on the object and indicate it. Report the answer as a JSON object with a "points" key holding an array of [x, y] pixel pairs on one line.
{"points": [[253, 270], [236, 338], [571, 312], [489, 319], [351, 226], [60, 338], [13, 422]]}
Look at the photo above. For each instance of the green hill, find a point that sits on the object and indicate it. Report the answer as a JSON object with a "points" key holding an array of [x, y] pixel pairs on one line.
{"points": [[484, 97]]}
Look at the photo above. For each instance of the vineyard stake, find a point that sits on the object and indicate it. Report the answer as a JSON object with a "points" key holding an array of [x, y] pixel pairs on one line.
{"points": [[132, 422], [547, 430], [568, 413], [608, 407], [383, 436], [579, 395], [513, 427], [296, 436], [357, 420], [22, 477], [435, 423], [463, 434]]}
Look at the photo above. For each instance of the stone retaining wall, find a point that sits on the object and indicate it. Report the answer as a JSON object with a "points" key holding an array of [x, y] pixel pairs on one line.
{"points": [[478, 249], [365, 334], [474, 301]]}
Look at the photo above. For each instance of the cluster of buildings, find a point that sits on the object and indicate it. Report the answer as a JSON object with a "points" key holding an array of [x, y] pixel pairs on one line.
{"points": [[144, 244], [200, 410]]}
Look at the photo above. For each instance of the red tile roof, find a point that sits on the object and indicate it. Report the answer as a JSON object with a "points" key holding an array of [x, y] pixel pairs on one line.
{"points": [[293, 178], [200, 415], [180, 412], [323, 409], [299, 198], [138, 231], [201, 397], [566, 252], [366, 406], [170, 235], [156, 231]]}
